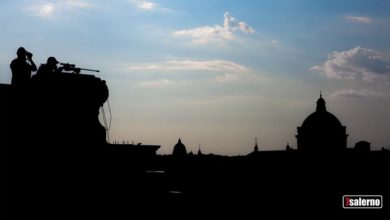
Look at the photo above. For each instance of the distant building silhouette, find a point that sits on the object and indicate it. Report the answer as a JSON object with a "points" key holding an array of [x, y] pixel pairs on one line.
{"points": [[255, 151], [363, 146], [321, 131], [288, 148], [256, 148], [199, 151], [134, 150], [179, 150]]}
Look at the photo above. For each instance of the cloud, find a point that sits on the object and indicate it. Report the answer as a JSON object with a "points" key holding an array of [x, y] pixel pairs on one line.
{"points": [[230, 23], [208, 34], [227, 77], [157, 83], [359, 19], [144, 5], [352, 93], [48, 10], [190, 65], [147, 5], [358, 64], [45, 11]]}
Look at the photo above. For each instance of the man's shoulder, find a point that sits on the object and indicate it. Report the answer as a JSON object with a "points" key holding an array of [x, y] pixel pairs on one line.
{"points": [[14, 61], [18, 62]]}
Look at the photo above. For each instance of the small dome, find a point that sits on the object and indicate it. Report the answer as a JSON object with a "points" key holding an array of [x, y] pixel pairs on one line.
{"points": [[179, 149]]}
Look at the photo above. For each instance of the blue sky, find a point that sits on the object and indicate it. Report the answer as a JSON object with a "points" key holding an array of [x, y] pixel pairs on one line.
{"points": [[218, 72]]}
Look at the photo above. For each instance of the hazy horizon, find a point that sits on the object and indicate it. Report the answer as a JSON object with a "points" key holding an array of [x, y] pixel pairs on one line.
{"points": [[219, 73]]}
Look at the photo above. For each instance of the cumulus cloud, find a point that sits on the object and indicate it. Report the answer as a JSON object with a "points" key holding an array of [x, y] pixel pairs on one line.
{"points": [[190, 65], [352, 93], [232, 24], [357, 64], [208, 34], [144, 5], [147, 5], [48, 10], [45, 11], [359, 19]]}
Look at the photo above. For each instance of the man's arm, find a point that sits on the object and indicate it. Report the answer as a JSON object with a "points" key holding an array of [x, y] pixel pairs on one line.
{"points": [[33, 66]]}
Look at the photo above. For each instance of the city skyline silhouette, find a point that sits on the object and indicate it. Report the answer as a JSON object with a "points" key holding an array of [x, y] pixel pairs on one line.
{"points": [[247, 74], [158, 108], [58, 155]]}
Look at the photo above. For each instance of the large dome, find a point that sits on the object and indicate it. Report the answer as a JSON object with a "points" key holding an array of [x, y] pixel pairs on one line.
{"points": [[321, 130], [321, 120], [179, 149]]}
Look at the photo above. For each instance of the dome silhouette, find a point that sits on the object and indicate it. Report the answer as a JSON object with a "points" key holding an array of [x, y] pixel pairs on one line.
{"points": [[320, 120], [322, 131], [179, 149]]}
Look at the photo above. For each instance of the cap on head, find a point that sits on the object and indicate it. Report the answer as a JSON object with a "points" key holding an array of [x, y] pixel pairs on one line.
{"points": [[21, 51], [52, 60]]}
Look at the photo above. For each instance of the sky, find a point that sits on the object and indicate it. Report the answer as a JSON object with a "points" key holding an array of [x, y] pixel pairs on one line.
{"points": [[219, 73]]}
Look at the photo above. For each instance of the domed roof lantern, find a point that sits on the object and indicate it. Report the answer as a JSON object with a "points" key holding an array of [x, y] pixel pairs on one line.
{"points": [[321, 104]]}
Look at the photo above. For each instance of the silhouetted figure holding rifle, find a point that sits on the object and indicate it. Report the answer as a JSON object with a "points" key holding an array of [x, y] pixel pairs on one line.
{"points": [[74, 69], [48, 69], [22, 67]]}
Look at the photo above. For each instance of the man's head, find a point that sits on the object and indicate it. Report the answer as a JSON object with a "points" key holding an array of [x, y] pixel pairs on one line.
{"points": [[21, 52], [52, 61]]}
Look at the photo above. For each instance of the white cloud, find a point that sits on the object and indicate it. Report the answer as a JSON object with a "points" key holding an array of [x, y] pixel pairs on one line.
{"points": [[190, 65], [357, 64], [230, 23], [156, 83], [352, 93], [44, 11], [144, 5], [227, 77], [359, 19], [48, 10], [208, 34], [147, 5]]}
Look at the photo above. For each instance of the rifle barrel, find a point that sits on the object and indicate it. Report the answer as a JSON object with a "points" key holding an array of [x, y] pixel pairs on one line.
{"points": [[89, 70]]}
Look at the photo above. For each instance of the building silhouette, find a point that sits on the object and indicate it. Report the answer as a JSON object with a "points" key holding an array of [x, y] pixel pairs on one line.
{"points": [[179, 150], [321, 131], [288, 147], [199, 151], [255, 151], [363, 146], [58, 153]]}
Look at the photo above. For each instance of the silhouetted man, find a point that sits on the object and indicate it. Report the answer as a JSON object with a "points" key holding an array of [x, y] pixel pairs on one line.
{"points": [[48, 69], [22, 67]]}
